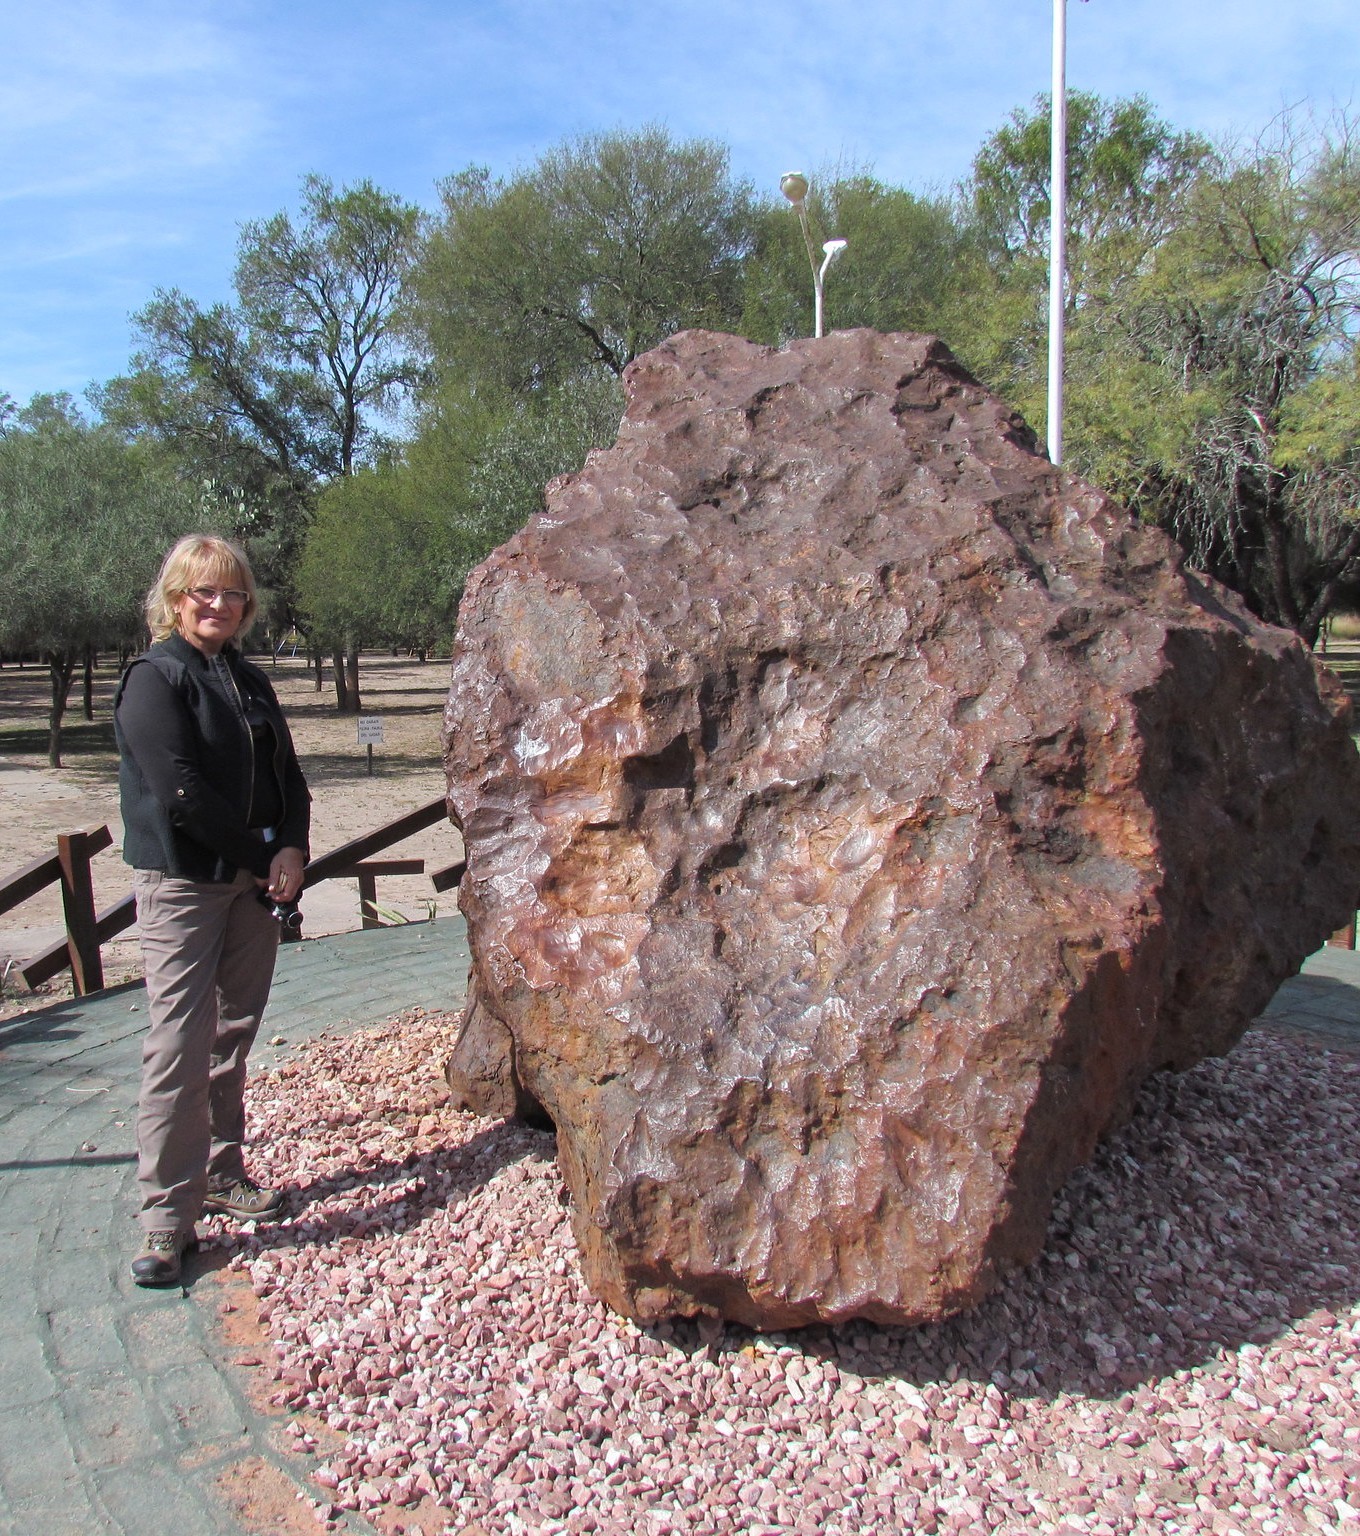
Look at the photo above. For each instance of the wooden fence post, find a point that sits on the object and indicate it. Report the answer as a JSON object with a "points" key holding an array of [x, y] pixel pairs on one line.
{"points": [[77, 898]]}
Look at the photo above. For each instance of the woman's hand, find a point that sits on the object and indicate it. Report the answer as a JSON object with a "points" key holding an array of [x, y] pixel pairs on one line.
{"points": [[285, 874]]}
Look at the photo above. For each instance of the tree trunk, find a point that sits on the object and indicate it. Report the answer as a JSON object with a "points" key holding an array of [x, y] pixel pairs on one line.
{"points": [[341, 688], [352, 677], [61, 668], [317, 661], [89, 682]]}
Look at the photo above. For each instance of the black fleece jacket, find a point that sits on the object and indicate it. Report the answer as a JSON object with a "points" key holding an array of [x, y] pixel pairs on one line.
{"points": [[186, 771]]}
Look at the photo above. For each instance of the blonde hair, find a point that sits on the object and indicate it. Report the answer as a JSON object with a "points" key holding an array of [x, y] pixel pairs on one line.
{"points": [[199, 558]]}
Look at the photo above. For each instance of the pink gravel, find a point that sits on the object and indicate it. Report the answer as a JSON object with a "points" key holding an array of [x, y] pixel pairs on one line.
{"points": [[1182, 1357]]}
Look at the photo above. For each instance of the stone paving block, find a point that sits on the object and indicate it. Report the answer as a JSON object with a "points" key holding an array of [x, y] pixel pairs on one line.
{"points": [[145, 1499], [86, 1338], [28, 1124], [55, 1512], [109, 1422], [76, 1277], [21, 1241], [84, 1230], [1314, 1011], [25, 1373], [1327, 989], [58, 1149], [35, 1452], [51, 1028], [161, 1329], [199, 1408]]}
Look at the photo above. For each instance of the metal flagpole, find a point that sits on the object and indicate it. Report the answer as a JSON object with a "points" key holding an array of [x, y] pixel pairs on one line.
{"points": [[1057, 232]]}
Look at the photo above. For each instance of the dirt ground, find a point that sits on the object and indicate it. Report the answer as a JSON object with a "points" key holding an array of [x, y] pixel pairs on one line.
{"points": [[37, 802]]}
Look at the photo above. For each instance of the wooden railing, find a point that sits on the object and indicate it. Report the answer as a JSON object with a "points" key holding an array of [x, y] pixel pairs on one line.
{"points": [[87, 930]]}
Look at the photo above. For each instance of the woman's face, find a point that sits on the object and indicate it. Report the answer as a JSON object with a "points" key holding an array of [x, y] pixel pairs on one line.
{"points": [[210, 613]]}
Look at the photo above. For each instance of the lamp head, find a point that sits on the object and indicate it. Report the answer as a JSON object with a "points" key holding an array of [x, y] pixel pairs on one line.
{"points": [[794, 186], [832, 248]]}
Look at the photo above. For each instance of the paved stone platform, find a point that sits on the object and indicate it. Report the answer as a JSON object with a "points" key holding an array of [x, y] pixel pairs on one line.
{"points": [[119, 1412]]}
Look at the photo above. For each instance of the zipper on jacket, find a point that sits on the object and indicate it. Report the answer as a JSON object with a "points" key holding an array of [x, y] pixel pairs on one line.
{"points": [[222, 662]]}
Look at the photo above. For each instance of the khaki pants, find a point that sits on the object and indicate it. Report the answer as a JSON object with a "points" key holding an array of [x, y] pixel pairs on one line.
{"points": [[209, 953]]}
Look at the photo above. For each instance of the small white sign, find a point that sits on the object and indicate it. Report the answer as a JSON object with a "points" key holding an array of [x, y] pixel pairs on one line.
{"points": [[370, 730]]}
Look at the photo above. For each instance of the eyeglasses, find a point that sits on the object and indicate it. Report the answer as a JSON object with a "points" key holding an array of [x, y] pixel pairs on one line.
{"points": [[207, 596]]}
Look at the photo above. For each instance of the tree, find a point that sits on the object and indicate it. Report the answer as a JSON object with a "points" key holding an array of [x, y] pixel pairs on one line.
{"points": [[899, 272], [288, 389], [1246, 324], [1212, 309], [540, 438], [376, 564], [1129, 176], [203, 386], [1126, 172], [605, 247], [323, 299], [85, 518], [390, 549]]}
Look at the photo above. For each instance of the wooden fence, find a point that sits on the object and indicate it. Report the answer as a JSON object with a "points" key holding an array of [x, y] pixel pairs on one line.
{"points": [[87, 930]]}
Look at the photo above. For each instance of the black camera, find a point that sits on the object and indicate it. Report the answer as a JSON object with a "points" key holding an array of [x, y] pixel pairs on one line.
{"points": [[286, 914]]}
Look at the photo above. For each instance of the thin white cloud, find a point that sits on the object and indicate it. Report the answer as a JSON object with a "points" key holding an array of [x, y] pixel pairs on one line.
{"points": [[100, 94]]}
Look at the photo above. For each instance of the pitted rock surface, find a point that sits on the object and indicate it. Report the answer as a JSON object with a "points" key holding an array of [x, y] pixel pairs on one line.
{"points": [[857, 809]]}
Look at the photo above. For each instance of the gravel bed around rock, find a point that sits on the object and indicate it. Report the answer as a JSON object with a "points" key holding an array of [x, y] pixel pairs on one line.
{"points": [[1181, 1358]]}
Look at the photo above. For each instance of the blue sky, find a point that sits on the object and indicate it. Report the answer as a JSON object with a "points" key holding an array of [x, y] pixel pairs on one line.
{"points": [[140, 134]]}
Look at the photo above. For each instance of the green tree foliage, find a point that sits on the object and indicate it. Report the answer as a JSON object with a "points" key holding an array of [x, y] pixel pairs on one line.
{"points": [[547, 435], [1211, 317], [1129, 176], [900, 271], [1245, 323], [204, 388], [1212, 306], [322, 298], [84, 521], [1126, 171], [377, 564], [274, 396], [601, 250], [390, 549]]}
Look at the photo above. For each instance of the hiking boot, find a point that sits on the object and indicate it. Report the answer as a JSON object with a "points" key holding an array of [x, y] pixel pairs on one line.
{"points": [[159, 1261], [244, 1199]]}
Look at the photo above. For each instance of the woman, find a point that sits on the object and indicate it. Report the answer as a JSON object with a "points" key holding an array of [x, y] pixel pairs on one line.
{"points": [[216, 816]]}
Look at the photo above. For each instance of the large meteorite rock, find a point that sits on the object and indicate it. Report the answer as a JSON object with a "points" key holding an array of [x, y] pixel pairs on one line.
{"points": [[857, 809]]}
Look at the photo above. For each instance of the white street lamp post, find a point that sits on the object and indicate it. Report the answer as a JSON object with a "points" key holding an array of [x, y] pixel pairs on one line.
{"points": [[794, 186], [830, 250], [1057, 232]]}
